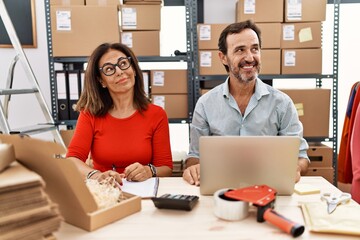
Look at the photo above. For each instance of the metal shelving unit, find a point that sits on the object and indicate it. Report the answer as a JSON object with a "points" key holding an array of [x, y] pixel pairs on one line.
{"points": [[68, 61], [317, 77]]}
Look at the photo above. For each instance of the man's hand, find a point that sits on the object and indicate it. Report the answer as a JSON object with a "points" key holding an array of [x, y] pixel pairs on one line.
{"points": [[192, 175]]}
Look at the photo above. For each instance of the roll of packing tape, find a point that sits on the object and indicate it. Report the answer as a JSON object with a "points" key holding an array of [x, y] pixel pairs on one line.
{"points": [[229, 209]]}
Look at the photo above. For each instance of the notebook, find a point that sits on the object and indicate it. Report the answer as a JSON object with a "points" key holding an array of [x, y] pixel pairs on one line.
{"points": [[241, 161]]}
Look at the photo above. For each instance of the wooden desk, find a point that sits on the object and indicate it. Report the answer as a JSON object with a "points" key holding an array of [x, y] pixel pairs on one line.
{"points": [[201, 223]]}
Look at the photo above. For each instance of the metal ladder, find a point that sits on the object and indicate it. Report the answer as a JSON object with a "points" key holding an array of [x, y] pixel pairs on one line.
{"points": [[35, 89]]}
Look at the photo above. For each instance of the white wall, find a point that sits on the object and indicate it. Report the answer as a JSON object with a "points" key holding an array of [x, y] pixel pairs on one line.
{"points": [[24, 110]]}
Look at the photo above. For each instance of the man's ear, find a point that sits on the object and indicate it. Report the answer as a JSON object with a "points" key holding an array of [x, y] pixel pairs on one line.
{"points": [[222, 58]]}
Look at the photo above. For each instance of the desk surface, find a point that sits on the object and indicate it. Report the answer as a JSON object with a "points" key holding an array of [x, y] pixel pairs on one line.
{"points": [[201, 223]]}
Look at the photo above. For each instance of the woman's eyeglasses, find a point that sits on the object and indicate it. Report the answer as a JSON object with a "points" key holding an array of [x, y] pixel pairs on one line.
{"points": [[109, 69]]}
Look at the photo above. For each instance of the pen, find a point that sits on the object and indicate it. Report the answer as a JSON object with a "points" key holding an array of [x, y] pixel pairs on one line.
{"points": [[114, 167]]}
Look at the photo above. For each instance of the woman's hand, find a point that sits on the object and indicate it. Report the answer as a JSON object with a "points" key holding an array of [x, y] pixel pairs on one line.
{"points": [[101, 176], [137, 172]]}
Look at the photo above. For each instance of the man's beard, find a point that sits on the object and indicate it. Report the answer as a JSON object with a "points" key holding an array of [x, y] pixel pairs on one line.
{"points": [[243, 77]]}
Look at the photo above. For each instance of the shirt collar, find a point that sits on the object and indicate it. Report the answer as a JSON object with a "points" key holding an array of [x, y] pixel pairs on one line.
{"points": [[260, 88]]}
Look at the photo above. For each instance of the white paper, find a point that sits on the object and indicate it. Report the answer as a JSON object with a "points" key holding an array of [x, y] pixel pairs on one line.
{"points": [[249, 7], [205, 59], [290, 57], [73, 86], [288, 32], [205, 32], [127, 39], [63, 20], [159, 78], [128, 18], [145, 189], [294, 10], [159, 101], [61, 85]]}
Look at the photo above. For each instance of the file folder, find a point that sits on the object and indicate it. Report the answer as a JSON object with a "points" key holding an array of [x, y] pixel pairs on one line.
{"points": [[62, 95], [74, 92]]}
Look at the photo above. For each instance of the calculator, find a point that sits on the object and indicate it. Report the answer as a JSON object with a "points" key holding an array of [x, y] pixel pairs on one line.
{"points": [[175, 201]]}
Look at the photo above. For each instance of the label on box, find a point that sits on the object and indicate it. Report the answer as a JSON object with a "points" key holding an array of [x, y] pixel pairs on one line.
{"points": [[205, 33], [249, 7], [305, 35], [205, 59], [127, 39], [160, 101], [159, 78], [63, 20], [290, 57], [288, 32], [128, 18], [300, 109], [294, 10]]}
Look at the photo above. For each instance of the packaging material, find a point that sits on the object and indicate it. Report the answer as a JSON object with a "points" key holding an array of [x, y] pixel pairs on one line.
{"points": [[210, 63], [139, 41], [175, 105], [67, 2], [301, 35], [7, 155], [305, 10], [325, 172], [260, 11], [77, 32], [320, 155], [102, 2], [270, 61], [140, 17], [208, 35], [270, 35], [301, 61], [65, 185], [169, 81], [313, 106]]}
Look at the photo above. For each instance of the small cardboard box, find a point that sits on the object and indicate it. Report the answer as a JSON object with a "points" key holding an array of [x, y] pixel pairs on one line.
{"points": [[67, 2], [320, 155], [301, 61], [175, 105], [325, 172], [102, 2], [270, 35], [77, 32], [65, 185], [270, 61], [305, 10], [261, 11], [140, 17], [313, 106], [210, 63], [169, 81], [208, 35], [139, 41], [301, 35]]}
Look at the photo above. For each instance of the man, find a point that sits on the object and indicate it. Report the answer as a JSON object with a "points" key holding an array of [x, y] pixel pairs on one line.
{"points": [[243, 104]]}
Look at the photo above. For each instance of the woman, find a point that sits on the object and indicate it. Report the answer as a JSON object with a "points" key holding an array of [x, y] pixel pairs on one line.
{"points": [[127, 136]]}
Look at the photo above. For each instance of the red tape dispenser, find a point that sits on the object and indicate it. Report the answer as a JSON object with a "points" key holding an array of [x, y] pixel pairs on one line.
{"points": [[263, 197]]}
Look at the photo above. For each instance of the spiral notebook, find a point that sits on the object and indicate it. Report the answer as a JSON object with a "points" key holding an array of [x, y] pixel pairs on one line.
{"points": [[145, 189]]}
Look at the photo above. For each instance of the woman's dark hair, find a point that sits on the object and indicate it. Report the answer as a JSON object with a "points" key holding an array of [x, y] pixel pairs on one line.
{"points": [[96, 99], [233, 29]]}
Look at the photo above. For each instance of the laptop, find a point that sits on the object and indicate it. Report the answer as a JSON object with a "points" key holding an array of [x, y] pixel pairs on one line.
{"points": [[241, 161]]}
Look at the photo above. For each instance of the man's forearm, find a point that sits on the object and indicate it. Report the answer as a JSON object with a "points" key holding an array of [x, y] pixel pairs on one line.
{"points": [[191, 161], [303, 163]]}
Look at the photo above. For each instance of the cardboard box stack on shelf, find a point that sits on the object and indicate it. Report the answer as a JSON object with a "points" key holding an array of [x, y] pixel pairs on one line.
{"points": [[140, 25], [321, 157], [76, 32], [169, 90], [299, 35]]}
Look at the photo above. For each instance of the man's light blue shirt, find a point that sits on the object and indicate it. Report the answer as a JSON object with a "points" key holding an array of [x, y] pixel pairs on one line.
{"points": [[269, 112]]}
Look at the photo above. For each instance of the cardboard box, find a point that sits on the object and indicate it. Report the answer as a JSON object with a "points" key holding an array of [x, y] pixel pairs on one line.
{"points": [[208, 35], [305, 11], [65, 185], [301, 35], [78, 30], [140, 17], [320, 155], [301, 61], [139, 41], [270, 35], [261, 11], [270, 61], [67, 2], [169, 81], [143, 2], [175, 105], [210, 63], [102, 2], [203, 91], [313, 107], [326, 172]]}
